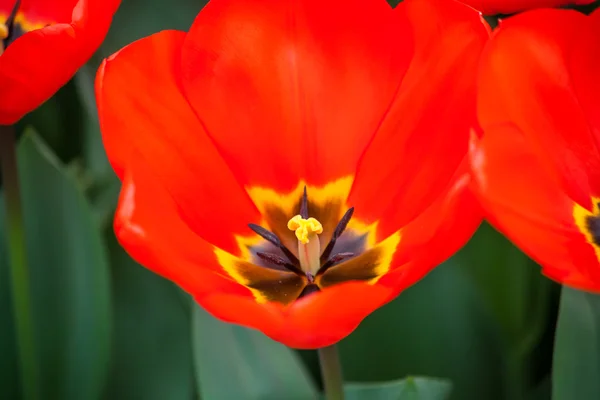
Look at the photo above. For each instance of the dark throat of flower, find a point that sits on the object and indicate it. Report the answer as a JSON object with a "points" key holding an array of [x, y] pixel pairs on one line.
{"points": [[9, 30], [311, 261], [592, 224]]}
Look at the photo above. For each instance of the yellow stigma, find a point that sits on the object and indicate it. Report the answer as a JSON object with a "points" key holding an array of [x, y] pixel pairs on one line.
{"points": [[3, 31], [305, 229], [3, 36]]}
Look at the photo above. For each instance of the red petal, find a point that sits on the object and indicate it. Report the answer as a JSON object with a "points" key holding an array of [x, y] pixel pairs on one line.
{"points": [[424, 136], [149, 228], [583, 64], [142, 111], [318, 320], [293, 90], [525, 80], [330, 315], [47, 12], [528, 205], [437, 233], [6, 7], [38, 63], [491, 7]]}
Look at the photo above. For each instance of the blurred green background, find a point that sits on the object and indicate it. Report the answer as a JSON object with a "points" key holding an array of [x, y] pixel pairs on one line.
{"points": [[106, 328]]}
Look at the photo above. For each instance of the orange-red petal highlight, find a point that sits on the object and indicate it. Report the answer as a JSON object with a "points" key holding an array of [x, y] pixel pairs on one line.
{"points": [[528, 205], [149, 228], [6, 7], [293, 90], [424, 135], [142, 110], [437, 233], [527, 79], [35, 12], [319, 320], [582, 65]]}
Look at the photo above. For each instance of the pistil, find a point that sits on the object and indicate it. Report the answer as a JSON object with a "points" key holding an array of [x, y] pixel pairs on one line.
{"points": [[309, 247]]}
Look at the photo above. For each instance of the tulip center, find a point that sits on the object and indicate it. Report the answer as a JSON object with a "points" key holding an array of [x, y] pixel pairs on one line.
{"points": [[311, 261], [9, 30], [588, 223], [307, 243]]}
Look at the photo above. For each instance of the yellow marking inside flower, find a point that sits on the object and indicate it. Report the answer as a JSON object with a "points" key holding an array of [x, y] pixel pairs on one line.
{"points": [[388, 248], [29, 26], [582, 219], [262, 281], [266, 199], [22, 22], [326, 206], [331, 193], [334, 191], [368, 267], [305, 229]]}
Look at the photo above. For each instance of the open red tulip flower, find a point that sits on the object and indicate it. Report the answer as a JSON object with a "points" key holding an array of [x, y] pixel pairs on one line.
{"points": [[538, 163], [295, 164], [42, 44], [493, 7]]}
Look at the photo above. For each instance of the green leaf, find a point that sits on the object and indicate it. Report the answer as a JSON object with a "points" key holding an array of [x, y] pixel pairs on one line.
{"points": [[94, 155], [69, 278], [437, 327], [152, 350], [9, 378], [233, 362], [576, 365], [417, 388], [104, 186], [511, 285], [58, 121], [520, 299], [543, 390]]}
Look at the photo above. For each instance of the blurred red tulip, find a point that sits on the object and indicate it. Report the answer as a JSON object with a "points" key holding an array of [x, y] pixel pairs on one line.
{"points": [[538, 163], [284, 115], [42, 44]]}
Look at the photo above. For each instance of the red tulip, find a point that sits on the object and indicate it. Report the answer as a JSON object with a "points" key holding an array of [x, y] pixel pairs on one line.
{"points": [[42, 44], [294, 165], [538, 163], [491, 7]]}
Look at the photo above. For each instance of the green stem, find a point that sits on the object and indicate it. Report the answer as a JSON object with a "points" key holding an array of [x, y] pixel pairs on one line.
{"points": [[21, 296], [331, 371]]}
